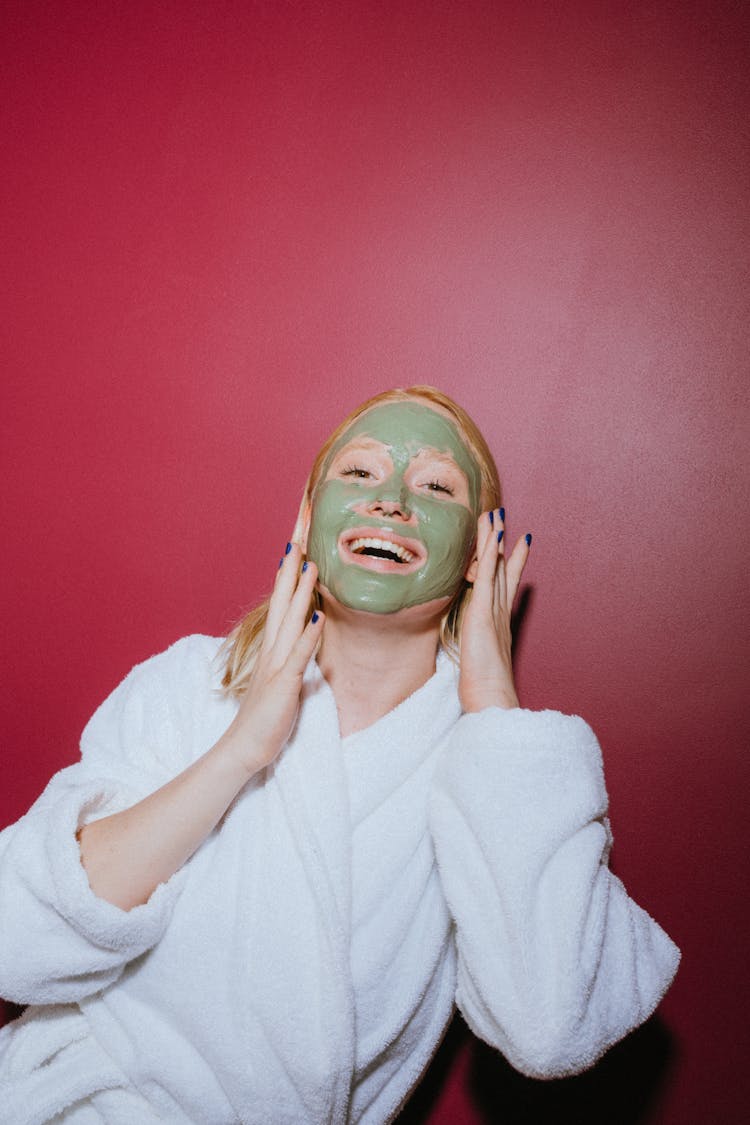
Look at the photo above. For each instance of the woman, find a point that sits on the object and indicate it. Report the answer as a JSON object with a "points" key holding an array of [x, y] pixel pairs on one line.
{"points": [[292, 865]]}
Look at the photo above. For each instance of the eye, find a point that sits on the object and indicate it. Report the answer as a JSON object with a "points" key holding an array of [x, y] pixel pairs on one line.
{"points": [[436, 486], [355, 471]]}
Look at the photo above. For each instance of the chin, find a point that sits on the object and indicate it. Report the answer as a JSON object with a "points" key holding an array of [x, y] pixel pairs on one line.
{"points": [[423, 611]]}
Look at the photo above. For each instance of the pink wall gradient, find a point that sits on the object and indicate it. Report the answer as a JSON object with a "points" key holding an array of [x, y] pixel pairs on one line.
{"points": [[225, 224]]}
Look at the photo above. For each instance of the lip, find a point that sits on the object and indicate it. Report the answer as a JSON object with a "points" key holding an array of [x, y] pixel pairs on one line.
{"points": [[381, 566]]}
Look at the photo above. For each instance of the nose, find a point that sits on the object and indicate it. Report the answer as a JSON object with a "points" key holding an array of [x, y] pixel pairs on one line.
{"points": [[392, 502]]}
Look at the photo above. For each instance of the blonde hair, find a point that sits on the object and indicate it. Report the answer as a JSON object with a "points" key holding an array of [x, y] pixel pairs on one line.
{"points": [[243, 643]]}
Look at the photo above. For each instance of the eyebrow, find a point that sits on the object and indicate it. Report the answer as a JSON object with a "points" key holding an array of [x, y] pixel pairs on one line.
{"points": [[446, 459], [427, 452], [363, 441], [359, 441]]}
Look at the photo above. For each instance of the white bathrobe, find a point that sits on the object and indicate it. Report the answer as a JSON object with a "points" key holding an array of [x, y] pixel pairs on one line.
{"points": [[303, 965]]}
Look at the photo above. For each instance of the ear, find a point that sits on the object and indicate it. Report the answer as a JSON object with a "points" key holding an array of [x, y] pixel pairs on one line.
{"points": [[470, 574]]}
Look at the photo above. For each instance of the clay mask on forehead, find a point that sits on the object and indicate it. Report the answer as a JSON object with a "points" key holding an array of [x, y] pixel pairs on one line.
{"points": [[388, 485]]}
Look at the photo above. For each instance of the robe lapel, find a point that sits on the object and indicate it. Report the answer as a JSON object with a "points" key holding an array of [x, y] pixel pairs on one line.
{"points": [[382, 757], [312, 786]]}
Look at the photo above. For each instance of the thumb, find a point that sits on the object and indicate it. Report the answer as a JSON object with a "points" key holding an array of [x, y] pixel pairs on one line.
{"points": [[304, 646]]}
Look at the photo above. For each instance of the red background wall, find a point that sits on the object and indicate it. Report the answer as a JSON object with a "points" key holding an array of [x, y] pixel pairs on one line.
{"points": [[225, 224]]}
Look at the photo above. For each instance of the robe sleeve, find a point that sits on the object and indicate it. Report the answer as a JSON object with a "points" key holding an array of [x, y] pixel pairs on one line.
{"points": [[59, 942], [555, 961]]}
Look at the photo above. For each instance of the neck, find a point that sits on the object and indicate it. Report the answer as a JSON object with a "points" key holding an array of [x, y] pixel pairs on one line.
{"points": [[373, 662]]}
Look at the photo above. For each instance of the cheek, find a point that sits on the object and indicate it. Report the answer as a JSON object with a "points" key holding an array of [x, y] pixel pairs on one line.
{"points": [[448, 534], [331, 509]]}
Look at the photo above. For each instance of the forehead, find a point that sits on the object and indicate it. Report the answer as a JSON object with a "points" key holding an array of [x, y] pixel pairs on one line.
{"points": [[409, 427]]}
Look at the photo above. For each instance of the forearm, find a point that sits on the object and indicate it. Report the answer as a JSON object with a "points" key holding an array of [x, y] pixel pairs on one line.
{"points": [[128, 854], [555, 961]]}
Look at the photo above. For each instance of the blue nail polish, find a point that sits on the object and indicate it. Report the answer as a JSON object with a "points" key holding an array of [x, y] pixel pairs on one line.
{"points": [[288, 548], [500, 536], [502, 514], [528, 538], [304, 567], [492, 518], [315, 617], [281, 563]]}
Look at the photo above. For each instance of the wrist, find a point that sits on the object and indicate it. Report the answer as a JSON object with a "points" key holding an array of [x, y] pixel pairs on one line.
{"points": [[504, 699], [243, 755], [477, 696]]}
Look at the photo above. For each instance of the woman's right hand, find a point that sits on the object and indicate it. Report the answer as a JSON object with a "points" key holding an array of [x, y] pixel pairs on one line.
{"points": [[126, 855], [269, 705]]}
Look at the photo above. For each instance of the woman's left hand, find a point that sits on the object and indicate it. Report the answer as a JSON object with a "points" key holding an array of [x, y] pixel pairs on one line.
{"points": [[486, 678]]}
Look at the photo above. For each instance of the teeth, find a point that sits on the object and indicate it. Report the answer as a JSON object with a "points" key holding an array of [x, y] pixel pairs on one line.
{"points": [[382, 545]]}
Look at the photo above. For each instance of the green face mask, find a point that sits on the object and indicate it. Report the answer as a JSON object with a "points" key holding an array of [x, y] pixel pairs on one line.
{"points": [[392, 492]]}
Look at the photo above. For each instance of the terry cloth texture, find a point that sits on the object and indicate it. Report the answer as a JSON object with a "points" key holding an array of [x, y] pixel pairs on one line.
{"points": [[303, 965]]}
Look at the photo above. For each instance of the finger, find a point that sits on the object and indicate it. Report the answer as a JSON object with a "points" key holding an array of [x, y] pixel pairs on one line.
{"points": [[294, 619], [500, 525], [283, 589], [499, 589], [304, 646], [499, 606], [485, 531], [516, 564], [487, 561]]}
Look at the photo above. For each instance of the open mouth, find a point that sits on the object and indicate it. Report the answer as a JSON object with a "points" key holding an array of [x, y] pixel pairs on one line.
{"points": [[381, 550]]}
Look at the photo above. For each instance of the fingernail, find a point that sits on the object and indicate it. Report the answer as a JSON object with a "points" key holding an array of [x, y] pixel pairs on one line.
{"points": [[492, 518], [288, 548], [281, 563], [499, 536], [304, 567], [528, 538], [502, 514], [315, 617]]}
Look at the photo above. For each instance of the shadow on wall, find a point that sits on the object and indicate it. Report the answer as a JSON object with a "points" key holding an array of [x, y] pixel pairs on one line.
{"points": [[624, 1088]]}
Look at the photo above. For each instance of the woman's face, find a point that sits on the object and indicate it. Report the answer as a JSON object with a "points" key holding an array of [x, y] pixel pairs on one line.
{"points": [[394, 515]]}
